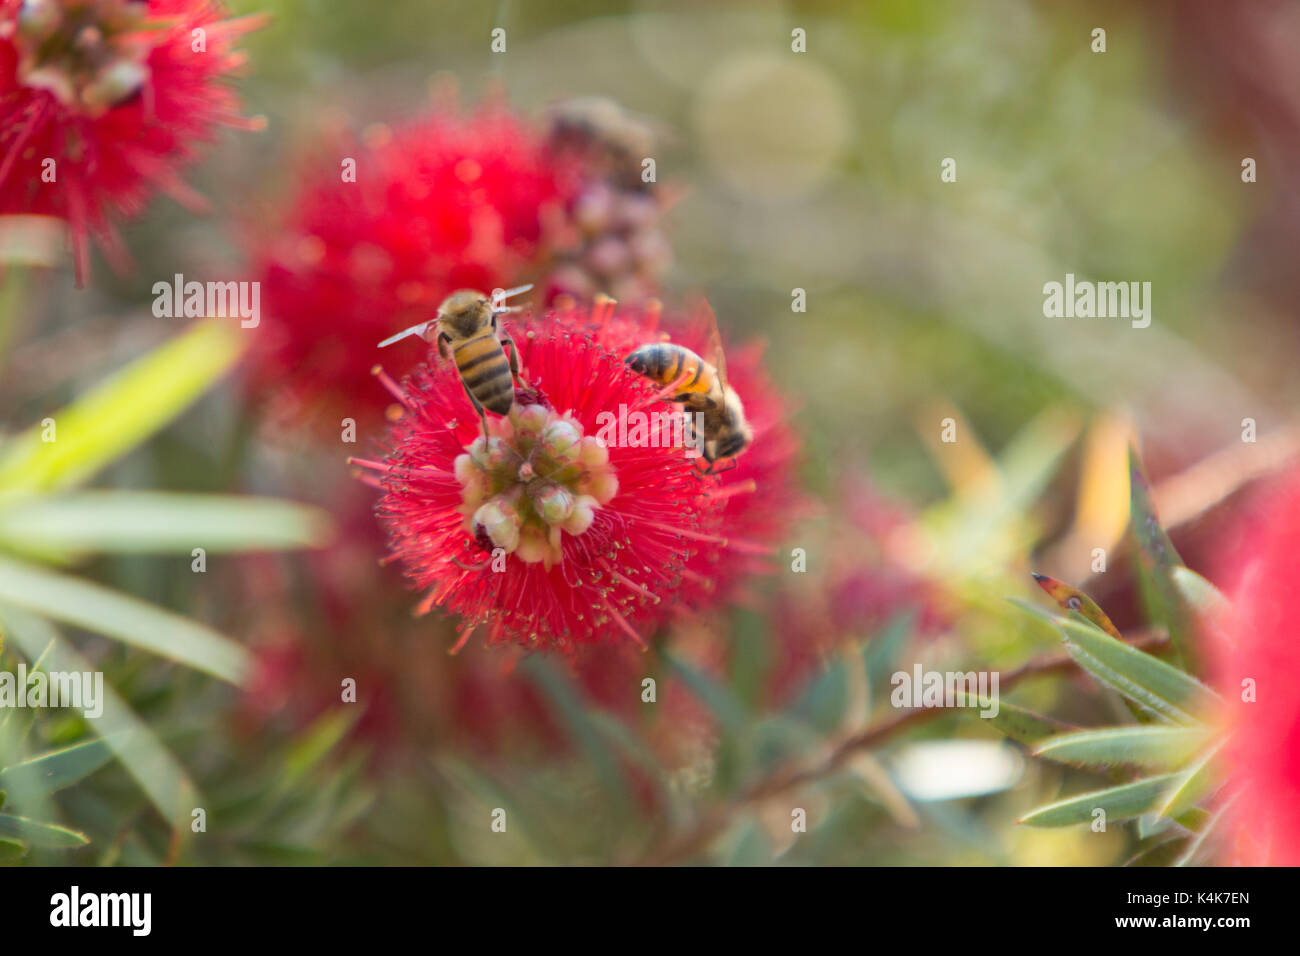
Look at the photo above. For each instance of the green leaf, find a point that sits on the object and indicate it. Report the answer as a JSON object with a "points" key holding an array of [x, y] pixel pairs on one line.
{"points": [[824, 698], [748, 662], [35, 833], [12, 292], [1146, 680], [314, 745], [121, 521], [575, 716], [1021, 725], [1120, 803], [1042, 614], [11, 851], [525, 821], [635, 750], [1025, 466], [1154, 747], [1208, 827], [104, 611], [1157, 560], [149, 763], [1161, 853], [725, 706], [57, 769], [881, 653], [751, 847], [1200, 593], [1194, 784], [120, 412]]}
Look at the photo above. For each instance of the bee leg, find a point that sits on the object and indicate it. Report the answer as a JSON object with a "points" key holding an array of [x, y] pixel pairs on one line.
{"points": [[713, 468], [513, 355], [443, 341], [482, 415]]}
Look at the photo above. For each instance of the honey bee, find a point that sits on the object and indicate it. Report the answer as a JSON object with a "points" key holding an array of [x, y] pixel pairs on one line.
{"points": [[466, 331], [701, 388]]}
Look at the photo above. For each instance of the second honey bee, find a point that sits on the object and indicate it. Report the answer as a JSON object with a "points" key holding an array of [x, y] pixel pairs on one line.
{"points": [[703, 390], [466, 331]]}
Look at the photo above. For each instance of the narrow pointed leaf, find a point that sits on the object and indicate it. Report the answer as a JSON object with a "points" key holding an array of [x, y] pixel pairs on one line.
{"points": [[104, 611], [315, 743], [1073, 601], [729, 710], [149, 763], [11, 851], [1163, 853], [1200, 593], [1120, 803], [120, 412], [1154, 747], [751, 847], [575, 717], [1194, 784], [1021, 725], [1203, 833], [158, 522], [35, 833], [1146, 680], [57, 769], [1157, 560]]}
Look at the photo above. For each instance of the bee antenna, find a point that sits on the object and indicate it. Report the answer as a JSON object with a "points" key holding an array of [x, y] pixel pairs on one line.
{"points": [[499, 297]]}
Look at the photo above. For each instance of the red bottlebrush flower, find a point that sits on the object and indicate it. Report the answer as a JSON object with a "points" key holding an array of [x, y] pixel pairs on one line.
{"points": [[1262, 756], [544, 534], [447, 202], [116, 93]]}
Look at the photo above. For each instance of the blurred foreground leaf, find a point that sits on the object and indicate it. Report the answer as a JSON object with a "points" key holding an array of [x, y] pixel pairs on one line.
{"points": [[1196, 782], [120, 412], [104, 611], [156, 522], [1022, 726], [149, 763], [1073, 601], [1158, 560], [1153, 747], [57, 769], [1120, 803], [1148, 681], [35, 833]]}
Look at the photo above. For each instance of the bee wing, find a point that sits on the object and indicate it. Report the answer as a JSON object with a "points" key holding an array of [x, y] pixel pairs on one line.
{"points": [[718, 357], [499, 297], [413, 330]]}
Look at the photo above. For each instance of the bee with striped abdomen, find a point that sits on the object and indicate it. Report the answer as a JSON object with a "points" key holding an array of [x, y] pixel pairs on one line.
{"points": [[466, 332], [702, 389]]}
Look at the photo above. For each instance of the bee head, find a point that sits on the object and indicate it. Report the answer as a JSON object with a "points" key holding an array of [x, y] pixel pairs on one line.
{"points": [[464, 312], [734, 436], [636, 362]]}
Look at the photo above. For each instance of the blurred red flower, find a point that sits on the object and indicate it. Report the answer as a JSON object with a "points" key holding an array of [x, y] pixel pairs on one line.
{"points": [[1262, 756], [449, 201], [604, 550], [101, 103]]}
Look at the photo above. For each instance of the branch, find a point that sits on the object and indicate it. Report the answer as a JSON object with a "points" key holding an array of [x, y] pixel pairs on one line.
{"points": [[715, 821]]}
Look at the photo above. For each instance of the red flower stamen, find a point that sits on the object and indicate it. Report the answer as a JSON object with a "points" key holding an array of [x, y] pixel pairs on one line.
{"points": [[102, 102]]}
